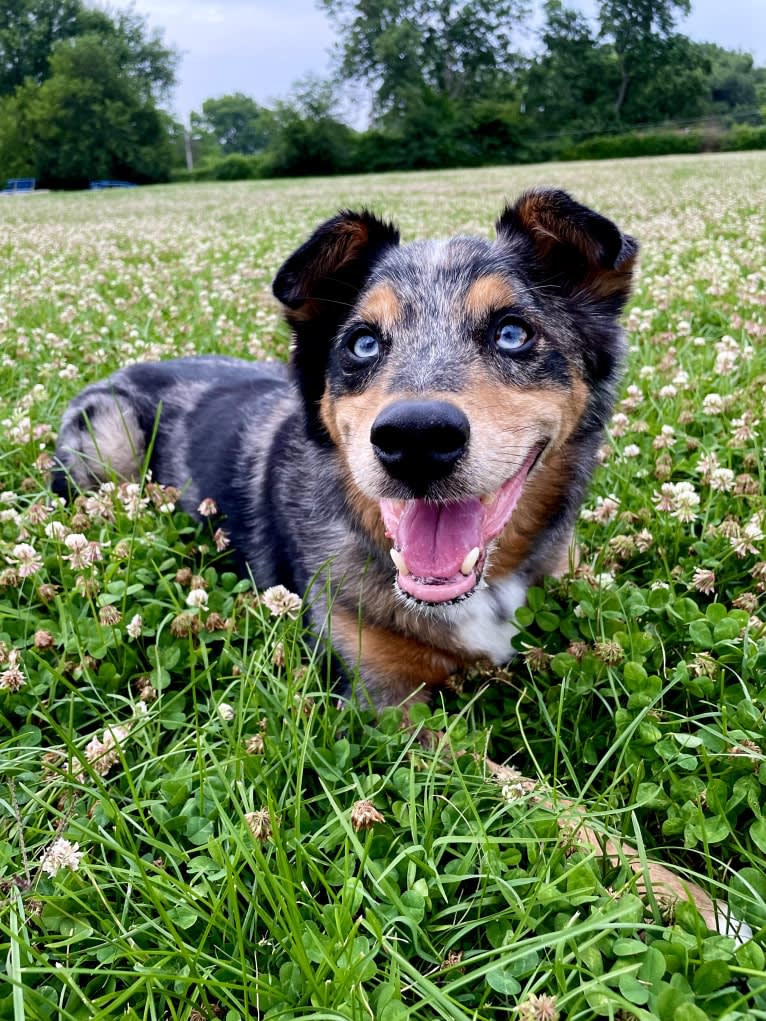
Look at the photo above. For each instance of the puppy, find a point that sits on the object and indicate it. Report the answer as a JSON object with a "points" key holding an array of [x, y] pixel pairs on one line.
{"points": [[423, 458]]}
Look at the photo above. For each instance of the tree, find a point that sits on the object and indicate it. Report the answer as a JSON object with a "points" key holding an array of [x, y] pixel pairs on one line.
{"points": [[238, 123], [568, 85], [80, 88], [87, 120], [735, 83], [639, 31], [30, 30], [305, 134], [674, 84], [456, 49]]}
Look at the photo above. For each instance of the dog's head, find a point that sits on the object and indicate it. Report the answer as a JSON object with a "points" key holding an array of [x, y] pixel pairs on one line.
{"points": [[456, 376]]}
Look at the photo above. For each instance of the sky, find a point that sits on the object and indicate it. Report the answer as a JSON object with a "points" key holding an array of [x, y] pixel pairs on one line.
{"points": [[260, 47]]}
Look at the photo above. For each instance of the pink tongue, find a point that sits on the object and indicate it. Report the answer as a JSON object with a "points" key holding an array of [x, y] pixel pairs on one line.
{"points": [[435, 538]]}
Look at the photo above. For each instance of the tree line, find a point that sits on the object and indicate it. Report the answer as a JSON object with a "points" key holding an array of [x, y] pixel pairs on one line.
{"points": [[448, 82]]}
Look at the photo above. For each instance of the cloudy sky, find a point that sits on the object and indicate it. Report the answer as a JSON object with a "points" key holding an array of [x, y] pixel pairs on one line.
{"points": [[260, 47]]}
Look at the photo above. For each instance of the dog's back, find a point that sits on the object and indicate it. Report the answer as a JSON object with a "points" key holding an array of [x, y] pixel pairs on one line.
{"points": [[198, 424]]}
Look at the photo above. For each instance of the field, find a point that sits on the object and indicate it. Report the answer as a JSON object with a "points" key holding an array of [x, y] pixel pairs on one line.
{"points": [[178, 832]]}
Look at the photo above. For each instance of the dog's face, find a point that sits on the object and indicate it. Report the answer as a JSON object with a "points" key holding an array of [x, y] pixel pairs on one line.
{"points": [[452, 376]]}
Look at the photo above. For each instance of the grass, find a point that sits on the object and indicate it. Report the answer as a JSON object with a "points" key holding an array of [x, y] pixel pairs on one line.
{"points": [[192, 749]]}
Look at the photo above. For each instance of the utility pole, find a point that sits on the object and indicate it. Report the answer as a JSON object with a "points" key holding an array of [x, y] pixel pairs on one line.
{"points": [[188, 147]]}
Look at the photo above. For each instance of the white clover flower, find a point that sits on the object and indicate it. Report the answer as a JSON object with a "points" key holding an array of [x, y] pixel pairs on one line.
{"points": [[132, 501], [633, 397], [722, 480], [606, 509], [197, 599], [12, 678], [56, 530], [207, 508], [664, 500], [82, 552], [221, 539], [706, 465], [62, 854], [280, 602], [631, 450], [135, 626], [100, 505], [604, 580], [703, 580], [619, 424], [686, 502], [680, 499], [745, 428], [665, 439], [103, 754], [27, 558], [225, 711], [712, 404]]}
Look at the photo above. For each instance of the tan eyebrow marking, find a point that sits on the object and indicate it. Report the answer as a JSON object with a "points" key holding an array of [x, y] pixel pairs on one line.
{"points": [[488, 294], [381, 307]]}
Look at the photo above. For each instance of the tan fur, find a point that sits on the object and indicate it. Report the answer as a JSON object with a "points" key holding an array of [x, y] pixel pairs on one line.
{"points": [[488, 294], [365, 508], [380, 307], [495, 412], [602, 283], [402, 664]]}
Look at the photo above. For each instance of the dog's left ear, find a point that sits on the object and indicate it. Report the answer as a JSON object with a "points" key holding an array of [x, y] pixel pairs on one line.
{"points": [[573, 247]]}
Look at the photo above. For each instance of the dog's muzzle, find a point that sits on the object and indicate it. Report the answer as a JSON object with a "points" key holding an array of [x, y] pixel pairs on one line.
{"points": [[420, 442]]}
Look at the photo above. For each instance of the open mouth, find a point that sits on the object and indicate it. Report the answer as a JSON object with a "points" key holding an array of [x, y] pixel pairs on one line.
{"points": [[439, 549]]}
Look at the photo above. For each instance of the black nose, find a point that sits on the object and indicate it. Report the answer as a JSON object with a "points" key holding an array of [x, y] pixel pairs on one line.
{"points": [[420, 442]]}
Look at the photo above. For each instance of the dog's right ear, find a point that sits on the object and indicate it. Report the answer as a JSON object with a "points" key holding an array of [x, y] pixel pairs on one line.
{"points": [[323, 277], [318, 286]]}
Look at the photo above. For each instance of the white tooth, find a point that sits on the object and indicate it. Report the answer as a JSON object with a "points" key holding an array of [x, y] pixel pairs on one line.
{"points": [[470, 561], [400, 562]]}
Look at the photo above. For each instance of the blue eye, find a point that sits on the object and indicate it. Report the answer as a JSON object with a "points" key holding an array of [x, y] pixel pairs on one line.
{"points": [[512, 335], [364, 346]]}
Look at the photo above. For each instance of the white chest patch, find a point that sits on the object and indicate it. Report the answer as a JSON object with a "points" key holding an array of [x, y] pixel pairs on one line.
{"points": [[483, 623]]}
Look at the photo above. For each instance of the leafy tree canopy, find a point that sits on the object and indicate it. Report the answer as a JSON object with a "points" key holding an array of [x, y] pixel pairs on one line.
{"points": [[30, 30], [459, 49], [78, 93], [639, 31], [237, 122]]}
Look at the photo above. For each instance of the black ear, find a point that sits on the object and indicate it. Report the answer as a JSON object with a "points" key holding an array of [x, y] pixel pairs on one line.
{"points": [[318, 286], [332, 266], [573, 247]]}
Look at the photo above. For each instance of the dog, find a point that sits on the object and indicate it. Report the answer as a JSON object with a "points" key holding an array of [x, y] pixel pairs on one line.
{"points": [[422, 459], [420, 462]]}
